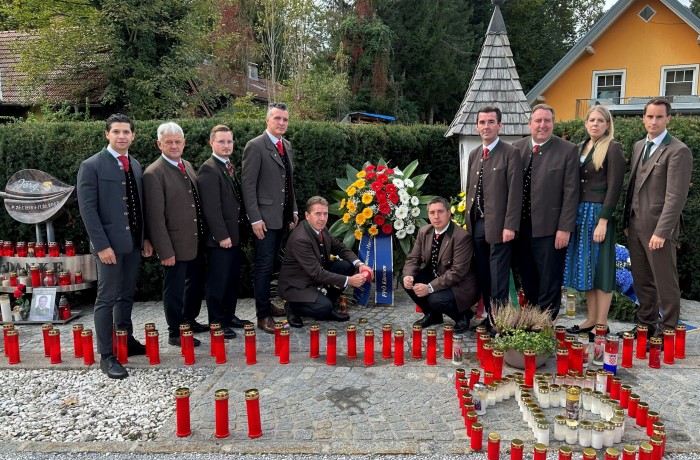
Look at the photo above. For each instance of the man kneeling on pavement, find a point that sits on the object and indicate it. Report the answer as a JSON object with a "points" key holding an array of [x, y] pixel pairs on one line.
{"points": [[438, 274], [309, 281]]}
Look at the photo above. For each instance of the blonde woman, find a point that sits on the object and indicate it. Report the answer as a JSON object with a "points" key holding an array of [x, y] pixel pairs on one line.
{"points": [[590, 256]]}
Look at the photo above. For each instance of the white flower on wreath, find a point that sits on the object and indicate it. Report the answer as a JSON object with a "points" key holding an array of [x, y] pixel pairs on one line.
{"points": [[408, 183], [398, 224], [404, 196], [414, 201], [410, 229], [401, 234], [398, 172], [415, 212], [398, 183], [402, 212]]}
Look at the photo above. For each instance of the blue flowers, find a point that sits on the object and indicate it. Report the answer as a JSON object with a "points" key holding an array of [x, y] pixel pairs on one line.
{"points": [[623, 276], [622, 257]]}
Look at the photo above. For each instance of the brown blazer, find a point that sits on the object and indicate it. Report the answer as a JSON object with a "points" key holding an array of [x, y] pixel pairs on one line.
{"points": [[658, 190], [555, 184], [503, 190], [263, 179], [171, 215], [220, 205], [455, 268], [604, 185], [303, 275]]}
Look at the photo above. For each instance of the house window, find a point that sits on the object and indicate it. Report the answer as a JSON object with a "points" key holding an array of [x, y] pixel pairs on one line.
{"points": [[679, 80], [609, 85], [647, 13]]}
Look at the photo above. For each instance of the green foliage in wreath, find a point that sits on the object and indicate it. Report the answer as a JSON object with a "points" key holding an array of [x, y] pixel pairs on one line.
{"points": [[542, 342]]}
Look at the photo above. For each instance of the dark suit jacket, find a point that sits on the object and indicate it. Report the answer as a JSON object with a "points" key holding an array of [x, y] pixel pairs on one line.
{"points": [[303, 274], [102, 202], [555, 185], [658, 190], [455, 268], [171, 215], [604, 185], [263, 179], [220, 205], [503, 190]]}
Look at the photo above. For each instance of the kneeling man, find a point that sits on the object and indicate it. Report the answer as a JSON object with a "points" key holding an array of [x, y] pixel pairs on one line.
{"points": [[438, 274], [309, 282]]}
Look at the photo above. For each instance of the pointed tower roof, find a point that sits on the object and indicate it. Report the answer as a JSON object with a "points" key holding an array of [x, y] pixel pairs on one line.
{"points": [[495, 82]]}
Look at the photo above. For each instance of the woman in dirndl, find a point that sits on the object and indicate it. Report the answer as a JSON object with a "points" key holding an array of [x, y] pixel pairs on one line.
{"points": [[590, 256]]}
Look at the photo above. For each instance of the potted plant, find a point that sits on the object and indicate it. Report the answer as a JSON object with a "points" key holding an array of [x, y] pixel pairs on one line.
{"points": [[523, 328]]}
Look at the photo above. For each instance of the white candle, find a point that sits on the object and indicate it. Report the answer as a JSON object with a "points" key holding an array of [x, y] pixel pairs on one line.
{"points": [[6, 308], [597, 435]]}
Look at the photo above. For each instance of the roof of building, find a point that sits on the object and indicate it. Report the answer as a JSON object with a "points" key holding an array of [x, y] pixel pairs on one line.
{"points": [[495, 82], [596, 31]]}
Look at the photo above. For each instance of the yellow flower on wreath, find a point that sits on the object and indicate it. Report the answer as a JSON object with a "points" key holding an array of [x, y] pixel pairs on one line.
{"points": [[360, 219], [373, 230], [359, 183], [358, 234], [351, 190], [367, 212], [342, 203], [367, 198], [346, 218], [352, 207], [361, 174], [461, 206]]}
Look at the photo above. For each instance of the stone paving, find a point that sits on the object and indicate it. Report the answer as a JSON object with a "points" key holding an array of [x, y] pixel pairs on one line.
{"points": [[308, 407]]}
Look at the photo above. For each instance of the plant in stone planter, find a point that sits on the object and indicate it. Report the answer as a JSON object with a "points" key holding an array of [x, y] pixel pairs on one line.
{"points": [[524, 328]]}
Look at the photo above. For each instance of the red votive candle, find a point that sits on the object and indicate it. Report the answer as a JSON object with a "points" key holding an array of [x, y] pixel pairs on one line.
{"points": [[632, 405], [314, 347], [562, 361], [468, 407], [221, 411], [669, 346], [386, 341], [479, 333], [12, 345], [88, 348], [183, 327], [463, 390], [487, 360], [54, 249], [431, 355], [493, 451], [78, 278], [498, 364], [576, 357], [471, 420], [540, 452], [661, 434], [154, 349], [645, 451], [331, 347], [188, 347], [448, 337], [417, 342], [565, 453], [369, 347], [641, 417], [45, 329], [219, 347], [488, 377], [6, 327], [70, 249], [560, 334], [182, 410], [213, 327], [148, 327], [474, 375], [655, 353], [529, 367], [485, 339], [656, 447], [611, 454], [351, 334], [252, 402], [122, 353], [629, 452], [284, 346], [250, 352], [278, 337], [460, 373], [642, 332], [77, 340], [461, 383], [680, 341], [39, 251], [625, 392], [477, 437], [615, 386], [516, 449], [627, 346], [55, 341], [22, 250], [652, 417], [398, 347]]}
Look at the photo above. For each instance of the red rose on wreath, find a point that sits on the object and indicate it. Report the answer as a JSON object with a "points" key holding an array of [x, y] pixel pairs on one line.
{"points": [[377, 186], [381, 196], [379, 220], [390, 188], [394, 198], [369, 168], [384, 209], [383, 178], [371, 175], [389, 171], [381, 168], [18, 293], [387, 228]]}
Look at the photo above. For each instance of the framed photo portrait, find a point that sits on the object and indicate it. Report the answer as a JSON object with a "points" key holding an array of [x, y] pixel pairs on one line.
{"points": [[43, 304]]}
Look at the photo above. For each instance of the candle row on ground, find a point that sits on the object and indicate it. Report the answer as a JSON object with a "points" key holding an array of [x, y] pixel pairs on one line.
{"points": [[647, 451]]}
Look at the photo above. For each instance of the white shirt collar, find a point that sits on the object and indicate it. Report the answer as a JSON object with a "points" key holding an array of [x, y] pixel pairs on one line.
{"points": [[174, 163], [217, 157], [657, 140], [114, 153], [272, 138], [492, 145], [440, 232]]}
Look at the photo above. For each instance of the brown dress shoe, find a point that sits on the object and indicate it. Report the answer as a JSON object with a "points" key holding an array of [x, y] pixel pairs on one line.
{"points": [[267, 324]]}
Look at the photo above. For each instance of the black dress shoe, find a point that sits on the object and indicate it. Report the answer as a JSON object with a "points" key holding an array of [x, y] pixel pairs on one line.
{"points": [[461, 326], [175, 341], [579, 330], [237, 322], [337, 316], [134, 347], [429, 320], [229, 333], [198, 327], [292, 318], [113, 368]]}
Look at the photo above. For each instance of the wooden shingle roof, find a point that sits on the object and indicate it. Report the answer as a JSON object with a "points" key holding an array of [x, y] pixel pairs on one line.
{"points": [[495, 82]]}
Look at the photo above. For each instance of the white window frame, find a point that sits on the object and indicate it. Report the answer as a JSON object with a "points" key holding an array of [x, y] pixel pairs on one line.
{"points": [[598, 73], [665, 68]]}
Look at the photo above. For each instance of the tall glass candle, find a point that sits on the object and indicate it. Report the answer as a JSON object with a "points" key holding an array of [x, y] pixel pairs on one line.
{"points": [[540, 452], [284, 346], [655, 353], [627, 349], [153, 349], [252, 401], [680, 341], [498, 364], [55, 341], [577, 354], [447, 341], [632, 405], [477, 437], [652, 417], [625, 392], [599, 344], [431, 354], [494, 446], [645, 450], [417, 343], [278, 337], [629, 452], [612, 348], [182, 409], [642, 332], [386, 341], [221, 410], [641, 417], [250, 351], [669, 346], [88, 347], [314, 339], [351, 331], [480, 332], [487, 357], [529, 367], [560, 334], [516, 449], [460, 373], [369, 347], [331, 350], [77, 340], [474, 375]]}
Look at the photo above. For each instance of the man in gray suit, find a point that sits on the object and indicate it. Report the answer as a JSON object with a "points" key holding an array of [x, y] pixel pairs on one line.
{"points": [[268, 194], [656, 194], [548, 215], [494, 199], [175, 225], [110, 197]]}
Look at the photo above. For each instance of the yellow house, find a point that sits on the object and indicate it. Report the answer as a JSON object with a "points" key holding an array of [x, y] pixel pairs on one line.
{"points": [[639, 49]]}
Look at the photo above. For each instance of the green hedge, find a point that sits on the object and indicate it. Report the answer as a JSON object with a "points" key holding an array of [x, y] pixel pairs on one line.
{"points": [[321, 149]]}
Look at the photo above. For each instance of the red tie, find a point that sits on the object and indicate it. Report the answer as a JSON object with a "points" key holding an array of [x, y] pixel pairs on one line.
{"points": [[485, 156], [124, 160], [535, 148], [280, 147], [182, 167], [229, 168]]}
